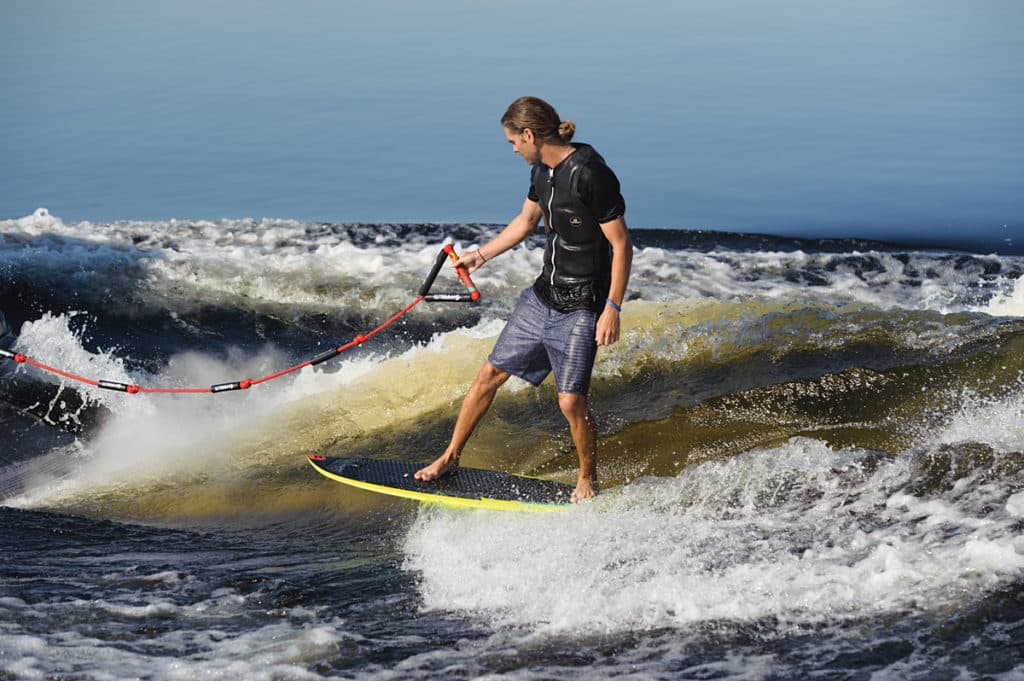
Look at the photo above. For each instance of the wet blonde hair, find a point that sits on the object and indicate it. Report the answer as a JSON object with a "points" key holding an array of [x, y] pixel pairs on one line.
{"points": [[537, 115]]}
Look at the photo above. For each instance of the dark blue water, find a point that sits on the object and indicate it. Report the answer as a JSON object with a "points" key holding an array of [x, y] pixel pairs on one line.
{"points": [[895, 122]]}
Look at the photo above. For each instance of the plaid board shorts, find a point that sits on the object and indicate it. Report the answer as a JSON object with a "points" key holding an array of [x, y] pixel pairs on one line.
{"points": [[538, 340]]}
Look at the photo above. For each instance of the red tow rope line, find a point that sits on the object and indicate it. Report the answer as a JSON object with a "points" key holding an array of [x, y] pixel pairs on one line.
{"points": [[28, 360], [245, 384], [221, 387]]}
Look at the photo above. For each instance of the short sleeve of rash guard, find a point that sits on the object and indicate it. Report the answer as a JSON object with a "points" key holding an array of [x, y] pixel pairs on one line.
{"points": [[532, 194], [599, 190]]}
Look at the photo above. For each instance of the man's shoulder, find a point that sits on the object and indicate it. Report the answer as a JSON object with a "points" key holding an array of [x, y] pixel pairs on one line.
{"points": [[598, 187], [587, 155], [590, 164], [595, 173]]}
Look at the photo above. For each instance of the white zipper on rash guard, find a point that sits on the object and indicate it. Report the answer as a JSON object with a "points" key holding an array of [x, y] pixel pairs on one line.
{"points": [[551, 220]]}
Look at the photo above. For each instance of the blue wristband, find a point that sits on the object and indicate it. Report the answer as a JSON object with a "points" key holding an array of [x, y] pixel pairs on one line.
{"points": [[615, 307]]}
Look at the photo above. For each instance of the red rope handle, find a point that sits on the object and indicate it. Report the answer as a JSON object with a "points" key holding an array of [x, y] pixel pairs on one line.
{"points": [[474, 294]]}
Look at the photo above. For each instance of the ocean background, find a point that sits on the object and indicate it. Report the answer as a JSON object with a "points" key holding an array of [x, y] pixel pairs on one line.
{"points": [[892, 121], [814, 417]]}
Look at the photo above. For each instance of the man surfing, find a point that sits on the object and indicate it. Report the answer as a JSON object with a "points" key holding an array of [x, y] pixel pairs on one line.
{"points": [[574, 305]]}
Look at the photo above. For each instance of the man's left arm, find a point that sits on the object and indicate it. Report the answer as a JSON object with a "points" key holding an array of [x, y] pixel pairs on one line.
{"points": [[622, 262]]}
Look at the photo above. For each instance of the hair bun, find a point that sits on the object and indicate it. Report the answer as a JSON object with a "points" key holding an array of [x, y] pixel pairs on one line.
{"points": [[566, 129]]}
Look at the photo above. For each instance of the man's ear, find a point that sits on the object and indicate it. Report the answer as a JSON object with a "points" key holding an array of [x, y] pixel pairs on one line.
{"points": [[528, 136]]}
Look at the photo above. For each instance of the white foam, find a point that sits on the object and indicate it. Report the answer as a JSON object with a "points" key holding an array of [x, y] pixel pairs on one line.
{"points": [[724, 275], [256, 262], [191, 642], [1015, 505], [275, 651], [24, 657], [144, 431], [143, 438], [51, 341], [792, 533], [995, 421], [1010, 303], [154, 608]]}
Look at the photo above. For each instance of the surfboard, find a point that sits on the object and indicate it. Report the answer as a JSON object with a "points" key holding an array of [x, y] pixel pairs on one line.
{"points": [[465, 488]]}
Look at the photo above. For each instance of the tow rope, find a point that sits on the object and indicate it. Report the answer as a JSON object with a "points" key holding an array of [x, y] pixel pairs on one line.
{"points": [[448, 251]]}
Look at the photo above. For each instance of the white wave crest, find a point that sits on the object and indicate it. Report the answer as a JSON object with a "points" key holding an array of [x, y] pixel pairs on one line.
{"points": [[798, 533]]}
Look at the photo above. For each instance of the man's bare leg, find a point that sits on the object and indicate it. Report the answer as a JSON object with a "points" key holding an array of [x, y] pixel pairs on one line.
{"points": [[476, 403], [576, 410]]}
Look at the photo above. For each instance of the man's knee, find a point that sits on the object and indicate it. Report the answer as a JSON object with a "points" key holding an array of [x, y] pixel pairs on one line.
{"points": [[491, 375], [573, 406]]}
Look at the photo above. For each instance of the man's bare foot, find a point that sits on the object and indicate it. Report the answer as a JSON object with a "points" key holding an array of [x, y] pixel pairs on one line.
{"points": [[586, 488], [444, 465]]}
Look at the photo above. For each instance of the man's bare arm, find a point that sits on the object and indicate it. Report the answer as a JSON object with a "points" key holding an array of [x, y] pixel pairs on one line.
{"points": [[622, 262], [521, 226]]}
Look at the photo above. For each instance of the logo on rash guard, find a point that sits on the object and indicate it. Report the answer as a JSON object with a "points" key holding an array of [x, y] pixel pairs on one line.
{"points": [[575, 221]]}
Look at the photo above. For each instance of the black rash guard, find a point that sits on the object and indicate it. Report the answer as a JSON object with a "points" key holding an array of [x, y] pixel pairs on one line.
{"points": [[576, 196]]}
